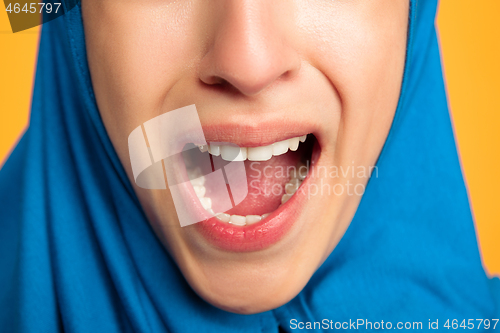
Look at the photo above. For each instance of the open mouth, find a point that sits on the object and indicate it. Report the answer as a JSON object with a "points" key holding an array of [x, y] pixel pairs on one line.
{"points": [[276, 174]]}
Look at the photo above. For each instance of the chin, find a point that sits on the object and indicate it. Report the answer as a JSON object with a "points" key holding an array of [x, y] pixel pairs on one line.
{"points": [[251, 285]]}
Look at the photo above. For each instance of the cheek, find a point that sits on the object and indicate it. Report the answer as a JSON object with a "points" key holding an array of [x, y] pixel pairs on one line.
{"points": [[356, 44], [360, 46], [137, 51]]}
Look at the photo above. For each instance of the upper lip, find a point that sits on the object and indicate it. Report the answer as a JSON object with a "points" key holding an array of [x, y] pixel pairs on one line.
{"points": [[256, 134]]}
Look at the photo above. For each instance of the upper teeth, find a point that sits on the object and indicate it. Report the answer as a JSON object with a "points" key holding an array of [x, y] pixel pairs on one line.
{"points": [[263, 153]]}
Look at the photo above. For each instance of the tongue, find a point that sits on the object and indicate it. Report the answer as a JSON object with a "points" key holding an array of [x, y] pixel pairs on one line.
{"points": [[266, 184]]}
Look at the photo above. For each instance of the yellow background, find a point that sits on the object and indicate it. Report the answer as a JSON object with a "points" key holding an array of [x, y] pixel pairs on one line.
{"points": [[470, 41]]}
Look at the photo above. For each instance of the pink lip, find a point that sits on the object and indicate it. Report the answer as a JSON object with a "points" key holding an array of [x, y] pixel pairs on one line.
{"points": [[255, 135], [262, 234], [254, 237]]}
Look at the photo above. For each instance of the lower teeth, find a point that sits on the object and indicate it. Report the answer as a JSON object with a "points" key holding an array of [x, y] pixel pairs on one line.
{"points": [[290, 188]]}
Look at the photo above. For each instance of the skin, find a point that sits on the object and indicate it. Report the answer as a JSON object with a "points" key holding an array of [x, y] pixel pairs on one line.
{"points": [[336, 65]]}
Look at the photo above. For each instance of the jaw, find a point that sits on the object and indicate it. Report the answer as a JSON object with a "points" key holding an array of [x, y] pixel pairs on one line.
{"points": [[261, 279], [257, 281]]}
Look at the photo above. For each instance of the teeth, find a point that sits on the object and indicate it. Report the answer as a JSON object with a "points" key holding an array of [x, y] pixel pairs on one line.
{"points": [[294, 144], [214, 149], [198, 181], [228, 153], [281, 147], [301, 174], [199, 190], [194, 173], [203, 148], [263, 153], [285, 198], [292, 186], [223, 217], [260, 153], [238, 220], [251, 219], [206, 203], [241, 220]]}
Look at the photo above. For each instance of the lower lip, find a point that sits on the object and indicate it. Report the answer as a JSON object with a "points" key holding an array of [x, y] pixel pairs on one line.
{"points": [[260, 235]]}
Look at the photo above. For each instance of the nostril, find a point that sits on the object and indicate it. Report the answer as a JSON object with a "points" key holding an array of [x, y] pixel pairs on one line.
{"points": [[248, 52], [213, 80], [221, 85], [288, 75]]}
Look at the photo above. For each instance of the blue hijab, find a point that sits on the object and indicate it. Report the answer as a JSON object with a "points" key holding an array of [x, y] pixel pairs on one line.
{"points": [[77, 253]]}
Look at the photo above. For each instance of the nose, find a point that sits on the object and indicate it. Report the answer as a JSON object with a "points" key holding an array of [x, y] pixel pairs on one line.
{"points": [[250, 46]]}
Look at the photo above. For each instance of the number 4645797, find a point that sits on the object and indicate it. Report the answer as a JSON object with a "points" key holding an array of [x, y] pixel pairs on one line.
{"points": [[33, 8]]}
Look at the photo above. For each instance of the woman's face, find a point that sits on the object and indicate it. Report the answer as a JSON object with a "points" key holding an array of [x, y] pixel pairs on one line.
{"points": [[259, 72]]}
